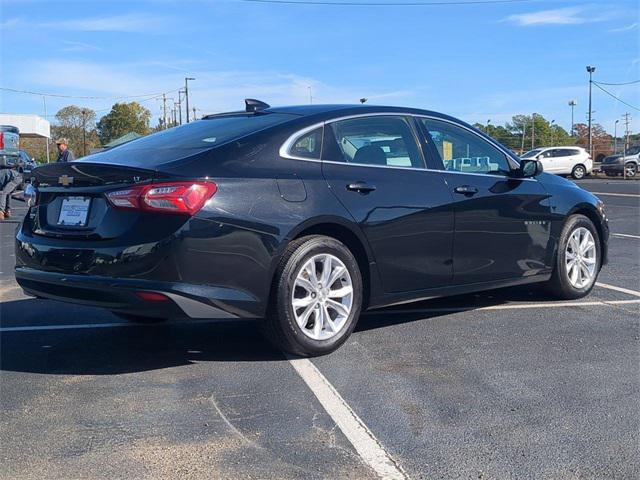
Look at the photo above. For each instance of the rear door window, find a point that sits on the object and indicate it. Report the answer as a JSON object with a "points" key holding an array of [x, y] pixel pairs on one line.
{"points": [[382, 140]]}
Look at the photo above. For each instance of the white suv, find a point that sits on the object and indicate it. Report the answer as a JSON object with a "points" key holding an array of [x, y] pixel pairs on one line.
{"points": [[574, 161]]}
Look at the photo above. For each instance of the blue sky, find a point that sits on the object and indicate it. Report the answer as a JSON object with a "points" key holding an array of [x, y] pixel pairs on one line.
{"points": [[476, 62]]}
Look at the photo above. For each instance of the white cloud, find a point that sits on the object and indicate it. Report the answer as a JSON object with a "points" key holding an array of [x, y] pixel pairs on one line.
{"points": [[211, 92], [129, 22], [633, 26], [79, 47], [558, 16]]}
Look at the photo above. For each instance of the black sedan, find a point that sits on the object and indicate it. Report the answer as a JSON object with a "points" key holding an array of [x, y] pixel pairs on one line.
{"points": [[304, 216]]}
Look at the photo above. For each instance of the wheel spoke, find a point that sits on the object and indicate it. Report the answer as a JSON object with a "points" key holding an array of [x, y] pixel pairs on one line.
{"points": [[304, 318], [574, 274], [338, 271], [589, 260], [303, 302], [338, 307], [319, 320], [326, 271], [341, 292], [310, 268], [328, 323], [306, 284]]}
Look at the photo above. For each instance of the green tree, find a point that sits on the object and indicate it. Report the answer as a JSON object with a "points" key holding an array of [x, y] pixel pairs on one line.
{"points": [[122, 119], [78, 124]]}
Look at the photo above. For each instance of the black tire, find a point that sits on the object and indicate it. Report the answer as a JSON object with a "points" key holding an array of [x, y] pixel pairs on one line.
{"points": [[280, 326], [559, 285], [631, 170], [579, 172], [138, 318]]}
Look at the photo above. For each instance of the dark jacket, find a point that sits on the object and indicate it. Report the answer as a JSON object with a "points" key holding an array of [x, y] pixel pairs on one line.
{"points": [[66, 156]]}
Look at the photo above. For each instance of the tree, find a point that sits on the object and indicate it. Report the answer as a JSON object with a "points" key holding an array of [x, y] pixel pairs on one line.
{"points": [[78, 124], [122, 119]]}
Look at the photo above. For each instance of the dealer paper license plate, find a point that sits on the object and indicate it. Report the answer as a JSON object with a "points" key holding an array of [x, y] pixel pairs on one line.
{"points": [[74, 211]]}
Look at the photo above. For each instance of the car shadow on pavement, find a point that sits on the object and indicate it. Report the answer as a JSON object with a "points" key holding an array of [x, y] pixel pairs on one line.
{"points": [[139, 347]]}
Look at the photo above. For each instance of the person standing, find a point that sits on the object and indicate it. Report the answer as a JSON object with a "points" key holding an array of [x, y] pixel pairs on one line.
{"points": [[10, 179], [64, 154]]}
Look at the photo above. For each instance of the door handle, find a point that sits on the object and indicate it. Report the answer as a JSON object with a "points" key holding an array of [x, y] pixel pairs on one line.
{"points": [[467, 190], [360, 187]]}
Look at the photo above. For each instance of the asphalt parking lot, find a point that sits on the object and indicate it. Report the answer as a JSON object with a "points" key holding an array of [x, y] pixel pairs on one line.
{"points": [[502, 384]]}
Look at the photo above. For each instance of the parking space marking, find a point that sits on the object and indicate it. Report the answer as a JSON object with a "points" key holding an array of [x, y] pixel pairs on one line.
{"points": [[625, 235], [628, 291], [362, 439], [635, 195]]}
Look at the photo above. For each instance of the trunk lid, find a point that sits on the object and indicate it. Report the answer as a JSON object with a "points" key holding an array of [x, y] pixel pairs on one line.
{"points": [[72, 203]]}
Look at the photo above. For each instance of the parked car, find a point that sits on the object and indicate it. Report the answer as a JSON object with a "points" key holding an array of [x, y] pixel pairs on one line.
{"points": [[624, 164], [9, 144], [574, 161], [304, 216]]}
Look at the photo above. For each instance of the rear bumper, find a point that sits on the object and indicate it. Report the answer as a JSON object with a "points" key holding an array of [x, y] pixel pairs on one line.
{"points": [[121, 295], [612, 167]]}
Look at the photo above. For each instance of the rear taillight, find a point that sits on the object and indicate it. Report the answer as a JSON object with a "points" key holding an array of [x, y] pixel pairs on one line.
{"points": [[169, 197], [1, 141]]}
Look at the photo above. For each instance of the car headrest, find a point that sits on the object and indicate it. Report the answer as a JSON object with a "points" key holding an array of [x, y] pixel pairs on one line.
{"points": [[370, 155]]}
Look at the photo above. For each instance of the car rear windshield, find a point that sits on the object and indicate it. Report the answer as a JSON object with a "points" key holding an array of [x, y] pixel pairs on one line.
{"points": [[188, 139]]}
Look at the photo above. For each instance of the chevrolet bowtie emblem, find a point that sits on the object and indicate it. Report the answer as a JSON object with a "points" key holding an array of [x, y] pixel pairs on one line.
{"points": [[65, 180]]}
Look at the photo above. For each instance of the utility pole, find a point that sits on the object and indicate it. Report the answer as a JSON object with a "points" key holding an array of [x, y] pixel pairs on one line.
{"points": [[524, 131], [615, 137], [186, 94], [627, 121], [44, 102], [590, 69], [533, 130], [310, 95], [164, 111], [553, 136], [194, 113], [84, 132], [179, 107], [572, 104]]}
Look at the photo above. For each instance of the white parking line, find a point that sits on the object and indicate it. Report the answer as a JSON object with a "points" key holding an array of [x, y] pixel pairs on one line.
{"points": [[624, 235], [635, 195], [365, 443], [628, 291]]}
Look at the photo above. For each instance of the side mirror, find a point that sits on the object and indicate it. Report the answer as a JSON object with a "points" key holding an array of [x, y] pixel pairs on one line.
{"points": [[530, 168]]}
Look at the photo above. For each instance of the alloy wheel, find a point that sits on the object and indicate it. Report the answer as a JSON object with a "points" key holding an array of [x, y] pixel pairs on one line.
{"points": [[322, 296], [630, 170], [578, 172], [581, 258]]}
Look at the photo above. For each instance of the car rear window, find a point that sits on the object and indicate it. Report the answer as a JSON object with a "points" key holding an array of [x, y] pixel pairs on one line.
{"points": [[188, 139]]}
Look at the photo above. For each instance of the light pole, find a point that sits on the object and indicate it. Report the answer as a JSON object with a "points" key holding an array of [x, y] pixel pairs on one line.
{"points": [[553, 137], [84, 132], [186, 94], [590, 69], [486, 129], [615, 136], [572, 104]]}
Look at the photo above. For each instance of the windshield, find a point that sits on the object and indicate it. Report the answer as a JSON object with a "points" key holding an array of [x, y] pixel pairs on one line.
{"points": [[531, 153], [635, 150]]}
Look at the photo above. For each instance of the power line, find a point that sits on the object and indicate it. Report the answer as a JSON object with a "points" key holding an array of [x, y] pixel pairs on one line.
{"points": [[384, 4], [80, 97], [612, 95], [616, 84]]}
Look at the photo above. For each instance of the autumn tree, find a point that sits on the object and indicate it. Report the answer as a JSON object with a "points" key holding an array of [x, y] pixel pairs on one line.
{"points": [[122, 119], [78, 125]]}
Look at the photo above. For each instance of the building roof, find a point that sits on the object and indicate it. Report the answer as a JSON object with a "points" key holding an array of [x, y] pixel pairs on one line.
{"points": [[30, 126]]}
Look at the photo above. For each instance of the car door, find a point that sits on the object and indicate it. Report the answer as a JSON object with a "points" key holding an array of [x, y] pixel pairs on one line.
{"points": [[502, 223], [548, 160], [563, 161], [375, 167]]}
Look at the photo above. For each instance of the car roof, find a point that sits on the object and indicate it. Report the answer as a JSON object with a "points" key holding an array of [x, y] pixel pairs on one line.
{"points": [[346, 109]]}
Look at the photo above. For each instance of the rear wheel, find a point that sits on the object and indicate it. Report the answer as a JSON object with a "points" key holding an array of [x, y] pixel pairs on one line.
{"points": [[578, 172], [630, 170], [578, 259], [316, 297]]}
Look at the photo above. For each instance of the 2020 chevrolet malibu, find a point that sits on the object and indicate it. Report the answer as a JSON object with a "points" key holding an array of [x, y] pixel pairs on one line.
{"points": [[304, 216]]}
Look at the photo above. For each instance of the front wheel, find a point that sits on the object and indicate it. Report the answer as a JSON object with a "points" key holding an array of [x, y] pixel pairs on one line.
{"points": [[630, 170], [316, 298], [578, 259], [578, 172]]}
